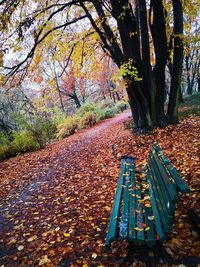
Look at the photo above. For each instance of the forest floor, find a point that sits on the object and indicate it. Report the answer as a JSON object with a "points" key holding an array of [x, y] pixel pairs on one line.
{"points": [[56, 202]]}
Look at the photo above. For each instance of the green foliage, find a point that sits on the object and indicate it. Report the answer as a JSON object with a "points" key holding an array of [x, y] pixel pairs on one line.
{"points": [[4, 146], [189, 112], [121, 106], [127, 70], [190, 107], [17, 143], [42, 128], [68, 127], [110, 112], [58, 116], [94, 108], [88, 119], [24, 142], [89, 107]]}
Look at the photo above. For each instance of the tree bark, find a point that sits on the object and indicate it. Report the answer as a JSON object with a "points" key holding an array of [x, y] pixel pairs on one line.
{"points": [[158, 30], [177, 63]]}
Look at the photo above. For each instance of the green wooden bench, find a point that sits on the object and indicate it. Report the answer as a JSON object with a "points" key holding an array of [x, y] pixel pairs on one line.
{"points": [[145, 202]]}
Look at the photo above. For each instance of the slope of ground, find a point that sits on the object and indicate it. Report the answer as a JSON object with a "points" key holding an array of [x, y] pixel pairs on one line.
{"points": [[56, 202]]}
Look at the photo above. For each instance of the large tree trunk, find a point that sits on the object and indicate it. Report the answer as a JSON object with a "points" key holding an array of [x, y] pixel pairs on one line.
{"points": [[138, 93], [158, 30], [139, 107], [177, 63]]}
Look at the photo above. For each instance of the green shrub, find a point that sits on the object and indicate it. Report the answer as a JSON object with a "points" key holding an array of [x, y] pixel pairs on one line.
{"points": [[4, 151], [183, 114], [106, 104], [68, 127], [110, 112], [121, 106], [4, 147], [89, 107], [23, 142], [88, 120], [40, 127]]}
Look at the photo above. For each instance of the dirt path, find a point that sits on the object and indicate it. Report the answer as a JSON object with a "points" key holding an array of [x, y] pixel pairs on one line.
{"points": [[55, 191]]}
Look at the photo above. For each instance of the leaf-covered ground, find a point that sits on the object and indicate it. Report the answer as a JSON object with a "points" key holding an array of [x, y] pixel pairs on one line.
{"points": [[55, 203]]}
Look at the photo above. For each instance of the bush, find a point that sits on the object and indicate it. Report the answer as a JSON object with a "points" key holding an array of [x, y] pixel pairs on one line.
{"points": [[121, 106], [24, 142], [88, 107], [4, 152], [110, 112], [40, 127], [106, 104], [67, 128], [88, 120], [4, 147]]}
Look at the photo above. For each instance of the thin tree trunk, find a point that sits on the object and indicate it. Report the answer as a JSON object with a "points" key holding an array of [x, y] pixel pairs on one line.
{"points": [[177, 63]]}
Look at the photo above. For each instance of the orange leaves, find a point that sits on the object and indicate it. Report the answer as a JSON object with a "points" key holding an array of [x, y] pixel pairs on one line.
{"points": [[69, 187]]}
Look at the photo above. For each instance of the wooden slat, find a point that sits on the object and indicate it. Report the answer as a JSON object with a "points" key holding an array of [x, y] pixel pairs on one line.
{"points": [[148, 219], [165, 218], [132, 221], [139, 213], [168, 185], [168, 204], [114, 219], [181, 185], [159, 227], [123, 231]]}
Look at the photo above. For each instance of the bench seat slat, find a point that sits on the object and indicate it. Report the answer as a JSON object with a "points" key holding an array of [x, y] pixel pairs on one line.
{"points": [[132, 206], [163, 194], [123, 231], [159, 227], [149, 222], [114, 219], [160, 203], [139, 213]]}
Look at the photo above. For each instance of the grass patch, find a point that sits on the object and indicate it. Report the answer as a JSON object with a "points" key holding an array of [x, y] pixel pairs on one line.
{"points": [[190, 107]]}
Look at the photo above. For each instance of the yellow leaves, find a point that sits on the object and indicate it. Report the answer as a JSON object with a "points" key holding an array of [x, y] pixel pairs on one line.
{"points": [[107, 208], [1, 58], [32, 238], [20, 248], [151, 218], [138, 229], [2, 79], [44, 260], [94, 255], [66, 234]]}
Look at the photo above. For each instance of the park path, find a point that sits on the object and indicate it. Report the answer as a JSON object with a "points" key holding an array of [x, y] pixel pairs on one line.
{"points": [[58, 195]]}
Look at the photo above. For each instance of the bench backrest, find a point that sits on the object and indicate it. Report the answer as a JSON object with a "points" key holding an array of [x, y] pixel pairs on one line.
{"points": [[162, 189]]}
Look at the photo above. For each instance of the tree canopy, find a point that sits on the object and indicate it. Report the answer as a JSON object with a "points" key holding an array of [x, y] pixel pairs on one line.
{"points": [[143, 38]]}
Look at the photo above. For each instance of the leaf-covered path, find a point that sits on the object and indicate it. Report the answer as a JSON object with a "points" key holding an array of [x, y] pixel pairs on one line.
{"points": [[55, 203]]}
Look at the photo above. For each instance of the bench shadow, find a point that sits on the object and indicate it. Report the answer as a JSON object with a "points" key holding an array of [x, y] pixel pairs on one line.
{"points": [[154, 256]]}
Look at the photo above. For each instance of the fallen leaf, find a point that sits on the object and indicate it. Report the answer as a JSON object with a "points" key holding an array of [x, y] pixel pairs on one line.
{"points": [[66, 235], [94, 255], [20, 248]]}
